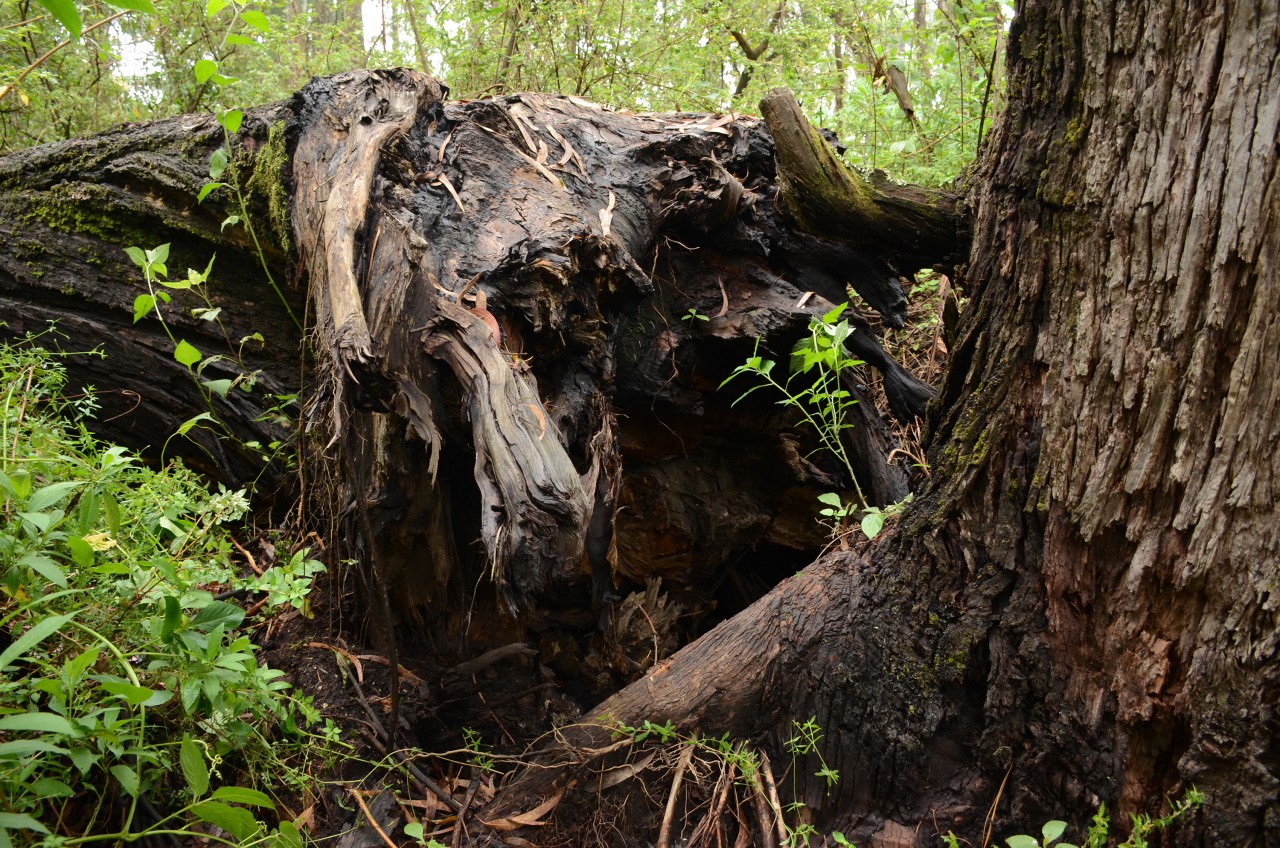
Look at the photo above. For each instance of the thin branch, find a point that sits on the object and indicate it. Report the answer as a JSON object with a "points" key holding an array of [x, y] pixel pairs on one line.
{"points": [[4, 92]]}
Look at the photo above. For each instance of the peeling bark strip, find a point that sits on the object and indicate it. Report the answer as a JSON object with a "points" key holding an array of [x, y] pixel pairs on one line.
{"points": [[504, 280]]}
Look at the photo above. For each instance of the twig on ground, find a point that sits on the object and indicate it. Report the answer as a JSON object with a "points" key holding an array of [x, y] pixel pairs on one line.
{"points": [[368, 816], [664, 833], [774, 801]]}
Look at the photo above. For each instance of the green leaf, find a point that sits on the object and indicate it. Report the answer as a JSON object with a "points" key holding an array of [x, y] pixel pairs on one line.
{"points": [[834, 315], [39, 723], [65, 13], [186, 353], [230, 220], [139, 258], [83, 758], [41, 630], [48, 787], [52, 494], [39, 520], [191, 422], [194, 769], [133, 695], [256, 19], [241, 40], [219, 387], [127, 778], [158, 255], [213, 7], [204, 69], [218, 613], [1053, 830], [236, 821], [839, 838], [241, 795], [232, 118], [142, 306], [206, 189], [172, 617], [21, 821], [831, 499], [872, 524], [143, 6], [288, 836], [217, 163], [80, 551], [1021, 840], [413, 830], [23, 747], [46, 568]]}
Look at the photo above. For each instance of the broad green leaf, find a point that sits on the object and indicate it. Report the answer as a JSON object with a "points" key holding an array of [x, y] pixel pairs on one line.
{"points": [[41, 630], [50, 495], [204, 69], [172, 617], [191, 422], [42, 521], [229, 221], [217, 163], [1021, 840], [218, 613], [213, 7], [23, 747], [139, 258], [831, 499], [133, 695], [127, 778], [65, 13], [190, 694], [21, 821], [48, 787], [872, 523], [413, 830], [241, 40], [219, 387], [206, 189], [256, 19], [232, 118], [288, 836], [83, 758], [142, 306], [80, 551], [159, 254], [39, 723], [143, 6], [186, 353], [241, 795], [236, 821], [834, 315], [46, 568], [194, 769], [1053, 830]]}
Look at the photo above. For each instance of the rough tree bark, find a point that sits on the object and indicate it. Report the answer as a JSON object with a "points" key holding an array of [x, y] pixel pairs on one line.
{"points": [[1081, 604]]}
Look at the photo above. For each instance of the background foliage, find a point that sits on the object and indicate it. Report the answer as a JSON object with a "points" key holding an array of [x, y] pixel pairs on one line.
{"points": [[909, 86]]}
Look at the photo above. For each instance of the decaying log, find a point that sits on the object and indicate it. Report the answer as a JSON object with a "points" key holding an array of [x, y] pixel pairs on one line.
{"points": [[550, 293], [68, 210]]}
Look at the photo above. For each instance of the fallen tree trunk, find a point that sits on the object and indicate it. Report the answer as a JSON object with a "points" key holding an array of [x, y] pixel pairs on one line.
{"points": [[523, 308]]}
